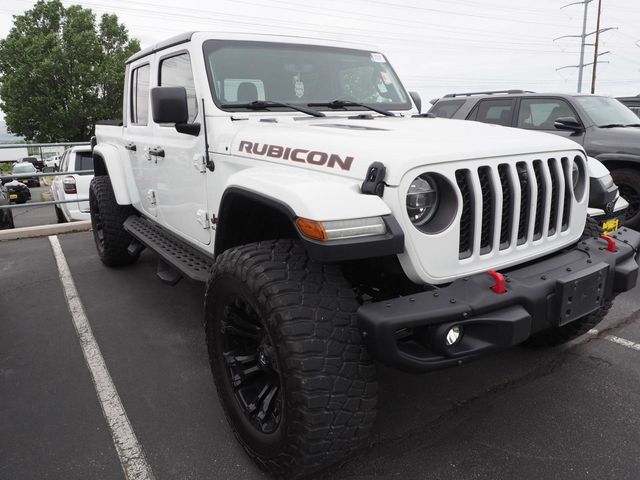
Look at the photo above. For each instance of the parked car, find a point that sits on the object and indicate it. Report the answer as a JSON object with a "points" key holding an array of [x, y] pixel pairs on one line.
{"points": [[35, 161], [606, 129], [332, 225], [6, 216], [25, 168], [53, 162], [632, 103], [73, 186], [18, 191]]}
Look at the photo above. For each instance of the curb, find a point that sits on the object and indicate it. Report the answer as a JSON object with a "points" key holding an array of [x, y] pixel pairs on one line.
{"points": [[45, 230]]}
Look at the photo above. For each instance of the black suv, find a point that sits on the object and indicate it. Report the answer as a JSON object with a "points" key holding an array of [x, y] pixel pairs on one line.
{"points": [[633, 103], [606, 129]]}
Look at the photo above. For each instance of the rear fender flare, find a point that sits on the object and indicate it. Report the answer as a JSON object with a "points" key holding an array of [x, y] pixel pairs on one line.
{"points": [[109, 160]]}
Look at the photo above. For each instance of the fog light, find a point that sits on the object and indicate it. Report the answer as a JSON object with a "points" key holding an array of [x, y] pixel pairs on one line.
{"points": [[453, 336]]}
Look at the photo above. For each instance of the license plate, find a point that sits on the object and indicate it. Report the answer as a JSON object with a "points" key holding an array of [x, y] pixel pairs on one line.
{"points": [[24, 181], [581, 293], [13, 196], [610, 226]]}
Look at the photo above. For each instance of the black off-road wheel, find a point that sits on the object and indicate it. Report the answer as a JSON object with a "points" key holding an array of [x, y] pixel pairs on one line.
{"points": [[628, 182], [297, 386], [107, 218]]}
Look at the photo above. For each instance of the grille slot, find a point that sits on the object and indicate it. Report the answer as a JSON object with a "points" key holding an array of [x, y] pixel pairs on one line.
{"points": [[466, 218], [540, 199], [555, 194], [488, 201], [568, 182], [507, 204], [506, 224]]}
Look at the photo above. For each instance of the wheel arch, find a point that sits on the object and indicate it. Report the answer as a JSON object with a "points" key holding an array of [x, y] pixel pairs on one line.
{"points": [[246, 217]]}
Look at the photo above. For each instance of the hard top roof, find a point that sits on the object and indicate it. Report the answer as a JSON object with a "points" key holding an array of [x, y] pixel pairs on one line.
{"points": [[263, 37]]}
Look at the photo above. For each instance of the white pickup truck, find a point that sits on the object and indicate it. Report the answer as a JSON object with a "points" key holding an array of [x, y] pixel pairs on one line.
{"points": [[334, 225]]}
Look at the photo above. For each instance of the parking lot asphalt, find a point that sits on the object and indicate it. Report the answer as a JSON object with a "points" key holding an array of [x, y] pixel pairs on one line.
{"points": [[568, 412], [34, 215]]}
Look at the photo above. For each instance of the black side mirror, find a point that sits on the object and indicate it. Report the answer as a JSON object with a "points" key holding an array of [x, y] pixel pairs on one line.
{"points": [[169, 105], [415, 96], [568, 123]]}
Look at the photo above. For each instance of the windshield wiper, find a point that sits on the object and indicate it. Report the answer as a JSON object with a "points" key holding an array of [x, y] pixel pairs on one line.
{"points": [[612, 125], [632, 125], [348, 103], [265, 104]]}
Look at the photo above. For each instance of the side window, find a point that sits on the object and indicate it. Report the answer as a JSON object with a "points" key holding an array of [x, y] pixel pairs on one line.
{"points": [[140, 95], [540, 114], [446, 108], [84, 161], [176, 72], [496, 112]]}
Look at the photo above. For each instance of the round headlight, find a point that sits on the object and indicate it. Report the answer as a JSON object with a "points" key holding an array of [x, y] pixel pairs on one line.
{"points": [[575, 174], [422, 199]]}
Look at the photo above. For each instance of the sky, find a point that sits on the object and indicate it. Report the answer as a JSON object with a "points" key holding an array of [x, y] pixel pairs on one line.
{"points": [[436, 46]]}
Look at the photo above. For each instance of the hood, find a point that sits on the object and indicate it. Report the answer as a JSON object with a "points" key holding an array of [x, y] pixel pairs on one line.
{"points": [[346, 147], [625, 140]]}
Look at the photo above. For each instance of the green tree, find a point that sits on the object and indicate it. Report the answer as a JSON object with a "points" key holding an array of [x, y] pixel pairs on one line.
{"points": [[60, 72]]}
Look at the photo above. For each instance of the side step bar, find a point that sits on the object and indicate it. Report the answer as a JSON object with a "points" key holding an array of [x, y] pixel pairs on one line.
{"points": [[173, 251]]}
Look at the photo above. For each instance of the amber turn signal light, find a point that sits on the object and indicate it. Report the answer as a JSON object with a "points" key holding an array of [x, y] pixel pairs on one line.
{"points": [[311, 229]]}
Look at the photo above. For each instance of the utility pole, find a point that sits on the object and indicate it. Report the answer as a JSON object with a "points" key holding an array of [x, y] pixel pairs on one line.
{"points": [[584, 43], [583, 38], [595, 50]]}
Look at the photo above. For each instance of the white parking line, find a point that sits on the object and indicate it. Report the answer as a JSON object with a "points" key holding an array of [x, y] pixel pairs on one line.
{"points": [[624, 342], [132, 458]]}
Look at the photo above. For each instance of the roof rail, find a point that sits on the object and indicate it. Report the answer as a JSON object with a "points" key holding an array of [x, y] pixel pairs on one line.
{"points": [[490, 92]]}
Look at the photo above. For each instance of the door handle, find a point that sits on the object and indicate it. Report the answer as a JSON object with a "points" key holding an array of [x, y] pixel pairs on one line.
{"points": [[157, 151], [131, 146]]}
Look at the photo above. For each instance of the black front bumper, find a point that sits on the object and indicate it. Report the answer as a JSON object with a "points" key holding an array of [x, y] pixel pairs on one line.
{"points": [[409, 332]]}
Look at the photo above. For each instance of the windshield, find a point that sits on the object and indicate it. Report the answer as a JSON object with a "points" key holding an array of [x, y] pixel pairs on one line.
{"points": [[243, 72], [607, 111], [23, 168]]}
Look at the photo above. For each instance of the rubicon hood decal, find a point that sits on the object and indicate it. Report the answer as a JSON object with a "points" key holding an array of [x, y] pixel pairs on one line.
{"points": [[301, 155]]}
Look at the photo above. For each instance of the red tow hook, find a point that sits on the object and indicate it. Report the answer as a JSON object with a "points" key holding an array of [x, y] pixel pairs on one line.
{"points": [[500, 286], [611, 243]]}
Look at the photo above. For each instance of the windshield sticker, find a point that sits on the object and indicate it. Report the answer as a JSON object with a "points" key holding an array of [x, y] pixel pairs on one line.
{"points": [[378, 58], [298, 86], [301, 155], [385, 77]]}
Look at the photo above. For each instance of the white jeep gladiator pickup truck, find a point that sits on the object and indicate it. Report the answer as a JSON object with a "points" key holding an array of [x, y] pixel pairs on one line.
{"points": [[333, 225]]}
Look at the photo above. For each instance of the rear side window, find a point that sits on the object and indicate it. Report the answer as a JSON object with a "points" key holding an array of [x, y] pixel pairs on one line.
{"points": [[496, 112], [176, 72], [140, 95], [446, 108], [540, 114], [84, 161]]}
